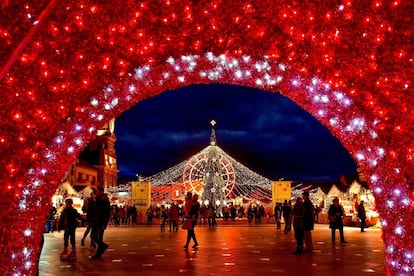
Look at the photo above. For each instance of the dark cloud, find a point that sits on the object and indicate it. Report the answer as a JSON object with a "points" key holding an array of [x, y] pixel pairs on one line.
{"points": [[266, 132]]}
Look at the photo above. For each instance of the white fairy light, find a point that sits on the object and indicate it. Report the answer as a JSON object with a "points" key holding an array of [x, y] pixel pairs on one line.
{"points": [[71, 149], [238, 74], [377, 190], [324, 99], [210, 56], [360, 156], [27, 232], [258, 67], [58, 140], [22, 204], [397, 192], [373, 134], [78, 141], [406, 201], [295, 82], [398, 230], [170, 60], [132, 88], [94, 102], [246, 59]]}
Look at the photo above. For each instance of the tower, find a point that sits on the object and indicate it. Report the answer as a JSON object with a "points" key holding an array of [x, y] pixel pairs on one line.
{"points": [[213, 182]]}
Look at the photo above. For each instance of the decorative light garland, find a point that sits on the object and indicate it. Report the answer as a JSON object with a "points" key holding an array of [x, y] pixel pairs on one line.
{"points": [[67, 67]]}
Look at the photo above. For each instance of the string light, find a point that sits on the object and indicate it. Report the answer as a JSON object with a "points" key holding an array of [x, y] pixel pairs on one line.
{"points": [[358, 58]]}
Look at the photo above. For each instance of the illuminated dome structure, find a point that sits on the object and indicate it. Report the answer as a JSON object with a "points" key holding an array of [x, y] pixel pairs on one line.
{"points": [[215, 175]]}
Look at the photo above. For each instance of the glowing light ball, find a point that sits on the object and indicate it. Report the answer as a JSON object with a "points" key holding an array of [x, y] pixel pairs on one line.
{"points": [[67, 67]]}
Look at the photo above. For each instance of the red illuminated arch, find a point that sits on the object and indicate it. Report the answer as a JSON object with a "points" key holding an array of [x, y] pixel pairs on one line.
{"points": [[68, 66]]}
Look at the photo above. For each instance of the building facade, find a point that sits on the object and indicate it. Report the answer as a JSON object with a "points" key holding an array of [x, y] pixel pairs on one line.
{"points": [[97, 163]]}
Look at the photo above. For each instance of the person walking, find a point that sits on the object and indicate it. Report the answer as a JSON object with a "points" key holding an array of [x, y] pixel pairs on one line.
{"points": [[88, 209], [362, 215], [211, 216], [193, 215], [278, 215], [335, 215], [163, 218], [50, 219], [100, 219], [308, 221], [286, 213], [173, 217], [298, 212], [134, 214], [68, 222]]}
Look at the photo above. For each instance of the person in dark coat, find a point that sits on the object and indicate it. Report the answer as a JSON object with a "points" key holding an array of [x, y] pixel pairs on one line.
{"points": [[100, 219], [298, 212], [362, 215], [286, 213], [278, 214], [68, 222], [308, 221], [335, 214], [88, 209]]}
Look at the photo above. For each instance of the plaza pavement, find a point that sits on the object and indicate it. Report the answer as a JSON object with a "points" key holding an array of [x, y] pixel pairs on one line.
{"points": [[230, 249]]}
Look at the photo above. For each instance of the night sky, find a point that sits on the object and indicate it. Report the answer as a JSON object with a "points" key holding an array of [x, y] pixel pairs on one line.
{"points": [[266, 132]]}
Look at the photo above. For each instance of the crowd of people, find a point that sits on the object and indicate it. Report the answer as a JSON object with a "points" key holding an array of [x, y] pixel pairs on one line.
{"points": [[301, 216]]}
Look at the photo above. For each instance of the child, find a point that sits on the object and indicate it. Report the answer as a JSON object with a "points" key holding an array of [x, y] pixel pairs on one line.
{"points": [[68, 222]]}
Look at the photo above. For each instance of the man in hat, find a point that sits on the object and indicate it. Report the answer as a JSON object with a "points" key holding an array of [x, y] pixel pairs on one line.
{"points": [[308, 221]]}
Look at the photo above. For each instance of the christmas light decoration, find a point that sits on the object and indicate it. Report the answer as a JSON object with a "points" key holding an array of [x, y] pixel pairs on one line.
{"points": [[67, 67]]}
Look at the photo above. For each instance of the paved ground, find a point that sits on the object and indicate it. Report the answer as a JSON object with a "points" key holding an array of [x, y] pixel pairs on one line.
{"points": [[232, 249]]}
